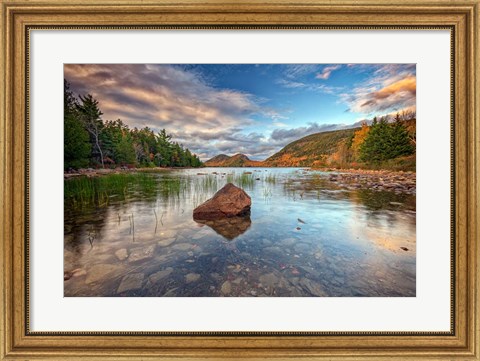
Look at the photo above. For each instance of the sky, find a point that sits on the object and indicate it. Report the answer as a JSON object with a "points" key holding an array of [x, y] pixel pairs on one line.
{"points": [[254, 109]]}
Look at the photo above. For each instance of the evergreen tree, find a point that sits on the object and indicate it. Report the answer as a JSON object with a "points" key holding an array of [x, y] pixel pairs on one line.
{"points": [[124, 151], [385, 141], [76, 145], [90, 115], [400, 142]]}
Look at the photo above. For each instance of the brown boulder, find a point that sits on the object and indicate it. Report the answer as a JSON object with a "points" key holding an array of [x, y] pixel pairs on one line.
{"points": [[230, 201]]}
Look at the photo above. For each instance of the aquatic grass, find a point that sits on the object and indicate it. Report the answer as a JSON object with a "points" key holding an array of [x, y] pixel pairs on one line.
{"points": [[84, 192], [244, 180], [271, 178], [171, 187], [267, 193], [206, 184]]}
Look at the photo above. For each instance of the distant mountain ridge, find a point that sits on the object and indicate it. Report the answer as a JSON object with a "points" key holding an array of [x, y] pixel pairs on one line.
{"points": [[237, 160]]}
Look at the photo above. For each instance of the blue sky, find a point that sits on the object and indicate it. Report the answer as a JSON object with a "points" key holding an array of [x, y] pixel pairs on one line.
{"points": [[254, 109]]}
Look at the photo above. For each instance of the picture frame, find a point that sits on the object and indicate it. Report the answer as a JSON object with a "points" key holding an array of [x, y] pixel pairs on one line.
{"points": [[19, 17]]}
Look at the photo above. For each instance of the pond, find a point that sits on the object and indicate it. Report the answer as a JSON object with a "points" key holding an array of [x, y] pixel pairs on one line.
{"points": [[307, 236]]}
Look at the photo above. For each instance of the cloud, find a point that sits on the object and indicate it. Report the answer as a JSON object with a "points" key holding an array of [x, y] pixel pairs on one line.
{"points": [[391, 89], [288, 135], [299, 70], [161, 94], [325, 74], [291, 84], [319, 88], [407, 85], [202, 117], [210, 143]]}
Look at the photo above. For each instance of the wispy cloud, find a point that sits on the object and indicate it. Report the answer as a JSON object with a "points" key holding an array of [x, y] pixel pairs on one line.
{"points": [[327, 71], [299, 70], [163, 94], [292, 134], [392, 88], [319, 88]]}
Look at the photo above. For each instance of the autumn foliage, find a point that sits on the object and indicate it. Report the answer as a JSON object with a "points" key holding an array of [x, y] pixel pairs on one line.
{"points": [[385, 143]]}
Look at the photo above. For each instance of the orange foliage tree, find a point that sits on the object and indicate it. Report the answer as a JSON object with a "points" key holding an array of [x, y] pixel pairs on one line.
{"points": [[359, 137]]}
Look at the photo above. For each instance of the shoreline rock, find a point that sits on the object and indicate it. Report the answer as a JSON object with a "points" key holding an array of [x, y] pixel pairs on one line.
{"points": [[230, 201], [398, 182]]}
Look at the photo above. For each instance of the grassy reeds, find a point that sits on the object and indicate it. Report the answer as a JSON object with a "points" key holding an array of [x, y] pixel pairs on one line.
{"points": [[208, 183], [172, 187], [244, 180], [271, 178], [267, 193], [83, 192]]}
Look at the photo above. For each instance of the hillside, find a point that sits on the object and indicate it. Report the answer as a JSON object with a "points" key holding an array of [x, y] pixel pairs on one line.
{"points": [[310, 150], [336, 148], [238, 160], [218, 159]]}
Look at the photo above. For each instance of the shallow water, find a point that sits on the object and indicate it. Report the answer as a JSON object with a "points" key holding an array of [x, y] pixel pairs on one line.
{"points": [[306, 236]]}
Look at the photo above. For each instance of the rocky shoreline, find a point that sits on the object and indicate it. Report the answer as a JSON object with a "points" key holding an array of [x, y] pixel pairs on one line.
{"points": [[376, 180], [91, 172]]}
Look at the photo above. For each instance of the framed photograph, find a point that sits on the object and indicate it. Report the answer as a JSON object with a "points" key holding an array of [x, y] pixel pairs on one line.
{"points": [[236, 179]]}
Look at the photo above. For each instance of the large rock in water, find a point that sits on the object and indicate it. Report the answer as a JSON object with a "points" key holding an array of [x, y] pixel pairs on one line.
{"points": [[230, 201]]}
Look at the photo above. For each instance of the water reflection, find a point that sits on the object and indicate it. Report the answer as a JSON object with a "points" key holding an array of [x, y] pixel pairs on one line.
{"points": [[305, 236], [229, 228]]}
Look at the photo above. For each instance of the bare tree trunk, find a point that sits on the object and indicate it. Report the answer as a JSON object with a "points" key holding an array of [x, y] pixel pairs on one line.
{"points": [[100, 150], [94, 131]]}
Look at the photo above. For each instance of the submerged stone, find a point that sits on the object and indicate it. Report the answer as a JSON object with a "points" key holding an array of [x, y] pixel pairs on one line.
{"points": [[161, 275], [139, 254], [312, 287], [268, 280], [192, 277], [230, 201], [183, 246], [101, 271], [166, 242], [121, 254], [226, 288], [79, 272], [131, 282]]}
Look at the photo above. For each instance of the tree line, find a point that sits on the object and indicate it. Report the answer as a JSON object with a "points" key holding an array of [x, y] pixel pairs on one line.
{"points": [[384, 139], [89, 141]]}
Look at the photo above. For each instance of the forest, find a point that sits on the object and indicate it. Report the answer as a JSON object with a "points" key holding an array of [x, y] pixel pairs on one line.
{"points": [[382, 142], [90, 141]]}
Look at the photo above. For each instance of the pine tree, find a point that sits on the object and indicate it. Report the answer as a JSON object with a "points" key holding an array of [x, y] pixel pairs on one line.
{"points": [[76, 145], [90, 115], [385, 141]]}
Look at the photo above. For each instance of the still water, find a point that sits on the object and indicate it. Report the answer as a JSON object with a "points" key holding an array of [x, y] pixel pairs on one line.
{"points": [[306, 236]]}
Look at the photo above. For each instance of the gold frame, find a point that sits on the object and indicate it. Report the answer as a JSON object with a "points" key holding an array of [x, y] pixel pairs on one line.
{"points": [[18, 342]]}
